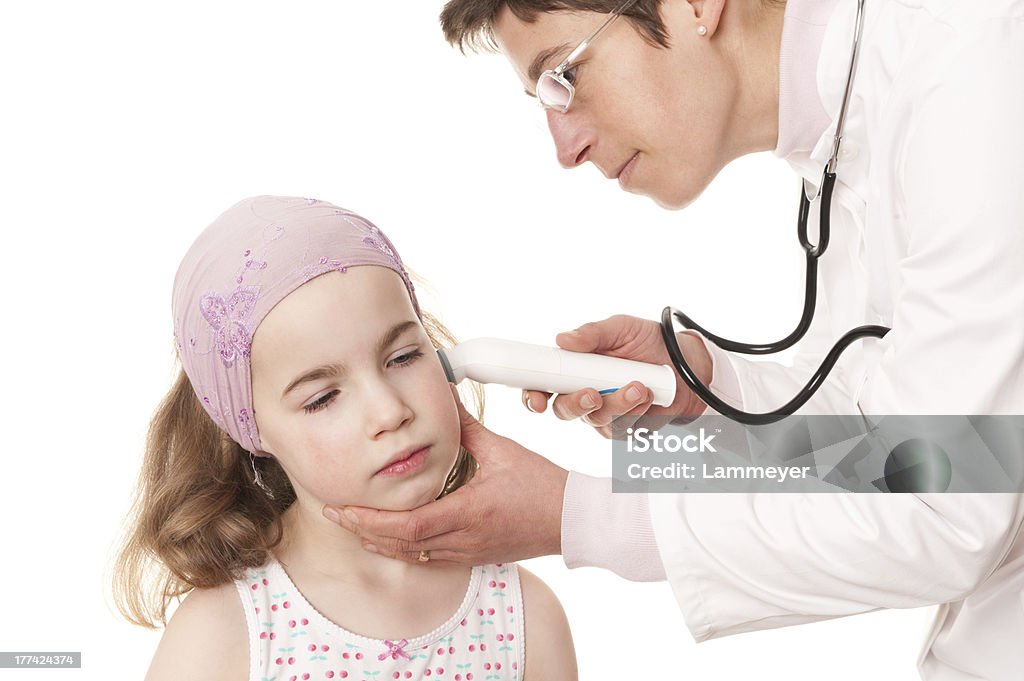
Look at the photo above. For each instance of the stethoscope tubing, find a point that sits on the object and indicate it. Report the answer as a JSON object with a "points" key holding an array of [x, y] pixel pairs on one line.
{"points": [[813, 252]]}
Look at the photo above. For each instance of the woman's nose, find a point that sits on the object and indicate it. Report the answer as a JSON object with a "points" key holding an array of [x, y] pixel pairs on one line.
{"points": [[572, 139]]}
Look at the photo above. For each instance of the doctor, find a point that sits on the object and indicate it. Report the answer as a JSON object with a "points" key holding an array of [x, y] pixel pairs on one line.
{"points": [[927, 238]]}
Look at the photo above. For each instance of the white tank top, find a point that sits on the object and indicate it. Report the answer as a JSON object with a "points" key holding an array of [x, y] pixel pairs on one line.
{"points": [[290, 640]]}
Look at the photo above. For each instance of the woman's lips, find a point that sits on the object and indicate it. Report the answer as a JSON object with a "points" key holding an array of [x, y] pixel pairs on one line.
{"points": [[407, 465], [623, 176]]}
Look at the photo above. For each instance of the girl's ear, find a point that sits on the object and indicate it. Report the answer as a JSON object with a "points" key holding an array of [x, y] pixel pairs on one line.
{"points": [[266, 450]]}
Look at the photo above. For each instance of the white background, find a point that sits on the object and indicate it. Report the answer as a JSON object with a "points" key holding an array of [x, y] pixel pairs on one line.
{"points": [[125, 128]]}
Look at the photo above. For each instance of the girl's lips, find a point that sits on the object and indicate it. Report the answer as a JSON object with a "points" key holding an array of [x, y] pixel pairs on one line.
{"points": [[407, 465]]}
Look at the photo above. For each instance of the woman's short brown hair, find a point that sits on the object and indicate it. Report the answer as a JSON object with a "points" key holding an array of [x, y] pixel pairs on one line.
{"points": [[470, 23]]}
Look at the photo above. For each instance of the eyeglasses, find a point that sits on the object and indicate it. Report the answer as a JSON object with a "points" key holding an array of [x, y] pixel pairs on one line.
{"points": [[554, 90]]}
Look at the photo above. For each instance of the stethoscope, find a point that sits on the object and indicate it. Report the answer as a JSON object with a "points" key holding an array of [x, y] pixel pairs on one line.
{"points": [[808, 194]]}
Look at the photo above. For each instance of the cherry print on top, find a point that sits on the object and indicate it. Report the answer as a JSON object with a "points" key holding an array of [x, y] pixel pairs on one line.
{"points": [[290, 640]]}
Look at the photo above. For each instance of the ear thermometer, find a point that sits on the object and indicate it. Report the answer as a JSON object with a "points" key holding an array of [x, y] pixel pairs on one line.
{"points": [[552, 370]]}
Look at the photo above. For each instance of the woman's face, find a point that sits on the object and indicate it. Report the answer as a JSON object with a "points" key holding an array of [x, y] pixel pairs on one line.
{"points": [[661, 114], [345, 384]]}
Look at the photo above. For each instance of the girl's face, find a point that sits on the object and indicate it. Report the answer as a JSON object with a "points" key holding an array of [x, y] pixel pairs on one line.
{"points": [[350, 396]]}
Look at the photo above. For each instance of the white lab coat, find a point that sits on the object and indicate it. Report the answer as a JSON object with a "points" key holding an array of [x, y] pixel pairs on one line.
{"points": [[928, 238]]}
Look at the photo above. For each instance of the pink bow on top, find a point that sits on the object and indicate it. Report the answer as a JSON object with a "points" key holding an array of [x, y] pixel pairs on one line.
{"points": [[394, 650]]}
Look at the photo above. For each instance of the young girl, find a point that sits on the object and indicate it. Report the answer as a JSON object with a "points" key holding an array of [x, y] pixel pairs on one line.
{"points": [[310, 377]]}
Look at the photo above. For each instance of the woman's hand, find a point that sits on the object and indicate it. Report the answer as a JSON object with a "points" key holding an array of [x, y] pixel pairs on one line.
{"points": [[629, 338], [510, 510]]}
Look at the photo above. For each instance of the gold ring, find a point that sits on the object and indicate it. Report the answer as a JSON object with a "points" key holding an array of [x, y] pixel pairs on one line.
{"points": [[424, 556]]}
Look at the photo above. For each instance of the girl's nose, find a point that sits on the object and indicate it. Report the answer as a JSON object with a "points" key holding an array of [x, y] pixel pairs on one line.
{"points": [[385, 409]]}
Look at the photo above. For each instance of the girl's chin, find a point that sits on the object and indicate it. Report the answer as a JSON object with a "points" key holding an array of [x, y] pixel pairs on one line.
{"points": [[410, 496]]}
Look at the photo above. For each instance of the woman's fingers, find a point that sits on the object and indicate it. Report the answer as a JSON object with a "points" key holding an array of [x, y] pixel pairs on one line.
{"points": [[439, 527], [574, 405], [607, 407], [613, 336], [536, 401], [438, 557]]}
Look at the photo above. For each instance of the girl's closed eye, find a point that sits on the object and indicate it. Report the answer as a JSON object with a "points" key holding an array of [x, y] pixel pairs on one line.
{"points": [[320, 402], [406, 358], [402, 360]]}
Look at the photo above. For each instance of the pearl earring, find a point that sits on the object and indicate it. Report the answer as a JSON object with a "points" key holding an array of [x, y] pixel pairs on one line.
{"points": [[702, 30]]}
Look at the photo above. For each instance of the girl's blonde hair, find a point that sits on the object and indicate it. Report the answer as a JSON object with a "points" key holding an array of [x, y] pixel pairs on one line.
{"points": [[197, 518]]}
